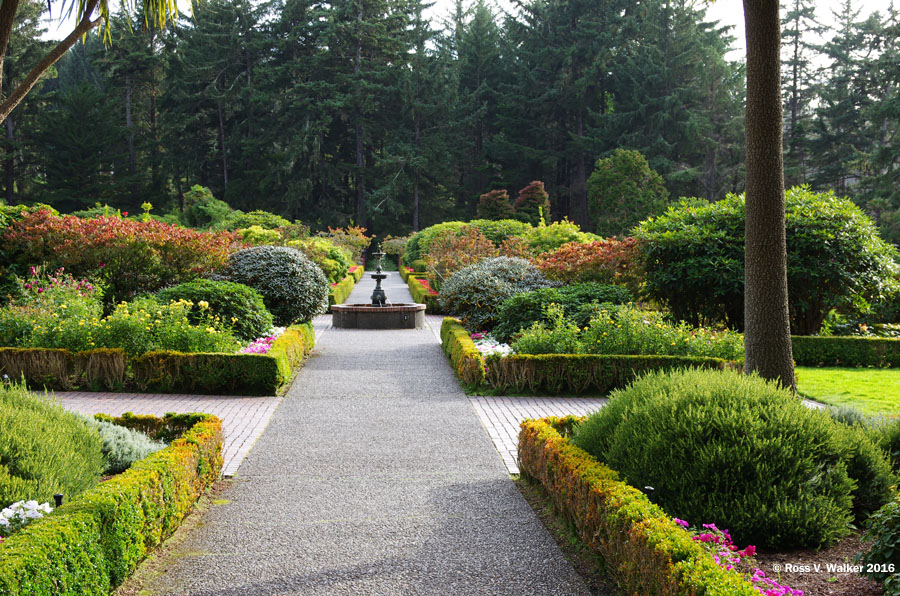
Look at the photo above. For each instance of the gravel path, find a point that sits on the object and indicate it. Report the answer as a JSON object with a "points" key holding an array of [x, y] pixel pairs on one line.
{"points": [[374, 476]]}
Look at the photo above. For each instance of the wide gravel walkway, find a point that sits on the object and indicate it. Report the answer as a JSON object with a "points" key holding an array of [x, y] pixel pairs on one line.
{"points": [[375, 476]]}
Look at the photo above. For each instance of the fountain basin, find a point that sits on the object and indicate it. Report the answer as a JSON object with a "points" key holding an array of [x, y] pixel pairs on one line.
{"points": [[365, 316]]}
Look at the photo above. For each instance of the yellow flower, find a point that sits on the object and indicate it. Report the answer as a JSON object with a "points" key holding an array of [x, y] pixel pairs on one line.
{"points": [[203, 304], [63, 305]]}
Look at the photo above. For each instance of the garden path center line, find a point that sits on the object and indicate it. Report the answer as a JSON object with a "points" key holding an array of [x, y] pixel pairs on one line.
{"points": [[374, 476]]}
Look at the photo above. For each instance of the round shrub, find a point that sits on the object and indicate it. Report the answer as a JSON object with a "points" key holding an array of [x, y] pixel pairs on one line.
{"points": [[523, 310], [238, 220], [123, 446], [623, 190], [476, 292], [44, 449], [693, 258], [237, 305], [293, 287], [494, 205], [545, 238], [498, 230], [733, 449]]}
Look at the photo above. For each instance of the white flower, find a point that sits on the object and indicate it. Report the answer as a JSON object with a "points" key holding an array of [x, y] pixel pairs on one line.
{"points": [[4, 521]]}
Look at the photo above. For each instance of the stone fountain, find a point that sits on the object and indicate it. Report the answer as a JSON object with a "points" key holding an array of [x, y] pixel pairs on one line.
{"points": [[381, 314]]}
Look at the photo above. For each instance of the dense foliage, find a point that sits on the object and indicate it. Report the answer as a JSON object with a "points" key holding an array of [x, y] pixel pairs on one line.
{"points": [[123, 446], [239, 307], [623, 190], [604, 261], [475, 293], [293, 288], [773, 471], [693, 256], [46, 450]]}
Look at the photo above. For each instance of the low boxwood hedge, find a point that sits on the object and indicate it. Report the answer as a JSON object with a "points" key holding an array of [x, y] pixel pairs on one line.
{"points": [[644, 550], [421, 295], [553, 373], [91, 544], [846, 351], [163, 371], [341, 291]]}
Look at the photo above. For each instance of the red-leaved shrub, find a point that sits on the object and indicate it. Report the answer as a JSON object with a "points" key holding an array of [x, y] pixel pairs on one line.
{"points": [[448, 253], [604, 261], [129, 257]]}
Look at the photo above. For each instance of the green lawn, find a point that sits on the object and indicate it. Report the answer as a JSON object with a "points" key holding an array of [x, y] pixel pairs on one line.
{"points": [[869, 390]]}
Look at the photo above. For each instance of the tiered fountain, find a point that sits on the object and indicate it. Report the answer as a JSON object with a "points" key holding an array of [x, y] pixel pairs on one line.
{"points": [[381, 314]]}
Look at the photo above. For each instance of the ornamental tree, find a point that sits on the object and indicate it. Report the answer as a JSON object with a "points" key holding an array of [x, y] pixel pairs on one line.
{"points": [[533, 204], [495, 205], [623, 190]]}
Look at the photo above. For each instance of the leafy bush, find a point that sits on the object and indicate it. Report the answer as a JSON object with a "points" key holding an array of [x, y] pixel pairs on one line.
{"points": [[239, 307], [202, 210], [45, 449], [772, 470], [604, 261], [846, 351], [257, 235], [123, 446], [521, 310], [552, 334], [334, 260], [238, 220], [449, 253], [693, 256], [623, 190], [533, 204], [127, 257], [351, 238], [293, 287], [476, 292], [882, 561], [498, 231], [545, 238], [494, 205]]}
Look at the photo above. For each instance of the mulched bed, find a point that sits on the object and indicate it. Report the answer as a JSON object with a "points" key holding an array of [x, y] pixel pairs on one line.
{"points": [[820, 582]]}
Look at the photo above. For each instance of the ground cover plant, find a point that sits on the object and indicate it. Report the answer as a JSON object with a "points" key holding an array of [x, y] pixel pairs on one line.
{"points": [[773, 471], [872, 391]]}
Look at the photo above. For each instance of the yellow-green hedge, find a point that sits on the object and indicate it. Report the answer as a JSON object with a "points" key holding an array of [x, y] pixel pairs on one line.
{"points": [[341, 291], [91, 544], [846, 351], [163, 371], [645, 551], [420, 295], [357, 272], [465, 357]]}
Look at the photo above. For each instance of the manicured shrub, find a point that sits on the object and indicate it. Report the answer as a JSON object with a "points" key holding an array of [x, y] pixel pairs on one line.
{"points": [[44, 449], [533, 204], [522, 310], [604, 261], [772, 471], [475, 293], [494, 205], [544, 238], [127, 256], [255, 236], [123, 446], [693, 256], [449, 253], [293, 287], [846, 351], [239, 307], [623, 190], [464, 356]]}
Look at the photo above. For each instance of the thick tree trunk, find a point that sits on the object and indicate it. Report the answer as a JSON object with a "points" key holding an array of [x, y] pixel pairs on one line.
{"points": [[767, 335], [10, 161]]}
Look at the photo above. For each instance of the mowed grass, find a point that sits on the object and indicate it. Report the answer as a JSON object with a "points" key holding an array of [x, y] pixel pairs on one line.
{"points": [[869, 390]]}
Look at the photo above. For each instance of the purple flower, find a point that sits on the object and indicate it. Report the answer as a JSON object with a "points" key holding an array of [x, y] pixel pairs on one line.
{"points": [[681, 522]]}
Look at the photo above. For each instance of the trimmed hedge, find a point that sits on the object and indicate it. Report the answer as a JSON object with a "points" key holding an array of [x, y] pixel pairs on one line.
{"points": [[420, 294], [405, 272], [163, 371], [644, 550], [465, 357], [91, 544], [357, 272], [846, 351], [341, 291], [581, 373]]}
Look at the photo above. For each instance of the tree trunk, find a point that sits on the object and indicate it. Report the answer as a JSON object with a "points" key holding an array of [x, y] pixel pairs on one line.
{"points": [[222, 143], [767, 335], [10, 161]]}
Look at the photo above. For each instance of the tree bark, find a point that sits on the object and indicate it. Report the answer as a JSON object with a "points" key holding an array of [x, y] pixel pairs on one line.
{"points": [[767, 335], [10, 161], [85, 25], [8, 10]]}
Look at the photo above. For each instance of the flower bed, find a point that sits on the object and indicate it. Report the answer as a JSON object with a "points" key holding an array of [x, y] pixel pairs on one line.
{"points": [[163, 371], [553, 373], [423, 293], [846, 351], [91, 544], [645, 551]]}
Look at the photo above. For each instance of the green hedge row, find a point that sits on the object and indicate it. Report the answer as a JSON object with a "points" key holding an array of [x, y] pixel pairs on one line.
{"points": [[420, 294], [846, 351], [91, 544], [644, 550], [341, 290], [163, 371], [553, 373]]}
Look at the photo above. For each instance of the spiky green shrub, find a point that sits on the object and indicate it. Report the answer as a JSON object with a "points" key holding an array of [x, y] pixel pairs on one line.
{"points": [[293, 288], [44, 449], [732, 448], [238, 306]]}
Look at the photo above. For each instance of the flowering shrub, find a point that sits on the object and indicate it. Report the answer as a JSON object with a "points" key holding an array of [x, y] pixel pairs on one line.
{"points": [[604, 261], [424, 283], [727, 556], [448, 253], [128, 256], [239, 307], [19, 514], [557, 336]]}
